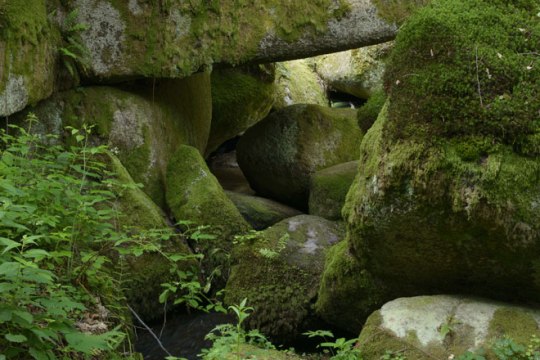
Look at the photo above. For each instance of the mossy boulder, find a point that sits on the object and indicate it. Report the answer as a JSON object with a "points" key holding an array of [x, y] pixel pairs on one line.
{"points": [[143, 124], [358, 72], [298, 83], [240, 98], [146, 272], [29, 40], [195, 195], [279, 154], [328, 189], [278, 270], [443, 327], [348, 293], [447, 197], [176, 39], [259, 212]]}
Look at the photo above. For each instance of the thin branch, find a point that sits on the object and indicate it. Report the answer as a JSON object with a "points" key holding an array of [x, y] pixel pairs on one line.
{"points": [[149, 330], [478, 78]]}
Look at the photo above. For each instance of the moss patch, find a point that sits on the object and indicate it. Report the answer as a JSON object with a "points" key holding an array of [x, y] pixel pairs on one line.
{"points": [[282, 287], [348, 292], [329, 188]]}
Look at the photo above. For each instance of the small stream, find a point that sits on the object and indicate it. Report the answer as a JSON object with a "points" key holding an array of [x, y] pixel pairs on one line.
{"points": [[183, 335]]}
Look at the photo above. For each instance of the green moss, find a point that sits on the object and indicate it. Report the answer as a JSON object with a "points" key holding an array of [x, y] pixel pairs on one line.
{"points": [[281, 288], [376, 342], [329, 188], [28, 53], [240, 98], [368, 113], [348, 292], [298, 83], [467, 80], [194, 194], [397, 11], [247, 351], [178, 39], [513, 323]]}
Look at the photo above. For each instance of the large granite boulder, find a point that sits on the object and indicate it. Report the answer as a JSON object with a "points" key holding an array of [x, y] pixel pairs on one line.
{"points": [[143, 125], [240, 98], [448, 327], [29, 42], [279, 154], [357, 72], [278, 270], [328, 189], [447, 196], [175, 39]]}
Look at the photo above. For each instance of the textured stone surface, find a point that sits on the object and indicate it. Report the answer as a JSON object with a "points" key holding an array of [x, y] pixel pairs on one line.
{"points": [[279, 154], [298, 83], [175, 39], [427, 327], [279, 270], [28, 54]]}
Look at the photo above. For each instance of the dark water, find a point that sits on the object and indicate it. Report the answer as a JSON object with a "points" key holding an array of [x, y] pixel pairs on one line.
{"points": [[183, 335]]}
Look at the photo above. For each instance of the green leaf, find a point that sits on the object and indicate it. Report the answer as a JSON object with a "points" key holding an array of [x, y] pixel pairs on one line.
{"points": [[87, 343], [9, 244], [25, 316], [16, 338]]}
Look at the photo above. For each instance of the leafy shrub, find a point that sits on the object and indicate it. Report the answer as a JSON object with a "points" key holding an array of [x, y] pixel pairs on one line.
{"points": [[61, 295]]}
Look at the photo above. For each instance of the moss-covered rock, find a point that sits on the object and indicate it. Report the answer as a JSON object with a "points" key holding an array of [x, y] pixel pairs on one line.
{"points": [[279, 270], [142, 124], [240, 98], [328, 189], [195, 195], [447, 196], [146, 272], [358, 72], [348, 293], [176, 39], [442, 327], [259, 212], [28, 54], [279, 154], [298, 83], [368, 113]]}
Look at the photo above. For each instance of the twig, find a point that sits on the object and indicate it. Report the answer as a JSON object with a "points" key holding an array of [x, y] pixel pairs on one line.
{"points": [[164, 319], [478, 78], [149, 330]]}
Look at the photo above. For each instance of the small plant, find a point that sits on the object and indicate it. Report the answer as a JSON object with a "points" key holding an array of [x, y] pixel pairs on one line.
{"points": [[393, 355], [341, 349], [228, 338]]}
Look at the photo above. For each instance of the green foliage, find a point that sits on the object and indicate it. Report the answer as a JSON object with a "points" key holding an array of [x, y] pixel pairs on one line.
{"points": [[341, 349], [398, 11], [228, 338], [61, 294], [508, 349], [468, 68], [72, 51]]}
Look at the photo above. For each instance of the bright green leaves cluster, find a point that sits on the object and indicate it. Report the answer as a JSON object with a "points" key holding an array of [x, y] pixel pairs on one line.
{"points": [[450, 77], [48, 220], [59, 231]]}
